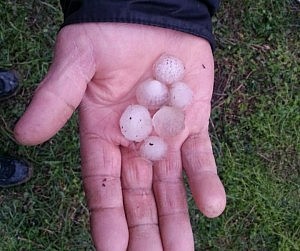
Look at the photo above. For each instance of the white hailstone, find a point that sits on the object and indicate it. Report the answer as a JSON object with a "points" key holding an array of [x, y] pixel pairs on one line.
{"points": [[181, 95], [136, 123], [152, 94], [168, 69], [153, 148], [168, 121]]}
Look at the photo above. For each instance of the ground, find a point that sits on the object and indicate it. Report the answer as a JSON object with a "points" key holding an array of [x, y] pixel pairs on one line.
{"points": [[254, 128]]}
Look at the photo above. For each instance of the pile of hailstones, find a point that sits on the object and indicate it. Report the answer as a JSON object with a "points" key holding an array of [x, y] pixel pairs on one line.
{"points": [[165, 96]]}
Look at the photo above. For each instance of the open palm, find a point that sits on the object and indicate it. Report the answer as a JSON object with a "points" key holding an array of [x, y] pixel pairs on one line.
{"points": [[134, 204]]}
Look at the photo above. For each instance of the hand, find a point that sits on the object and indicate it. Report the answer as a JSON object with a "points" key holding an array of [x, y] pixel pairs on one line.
{"points": [[132, 205]]}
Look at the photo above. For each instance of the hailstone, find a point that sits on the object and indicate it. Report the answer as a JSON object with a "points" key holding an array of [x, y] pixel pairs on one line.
{"points": [[152, 94], [181, 95], [168, 121], [153, 148], [168, 69], [136, 123]]}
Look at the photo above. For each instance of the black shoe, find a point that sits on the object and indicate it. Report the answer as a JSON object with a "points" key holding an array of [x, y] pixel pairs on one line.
{"points": [[9, 83], [13, 172]]}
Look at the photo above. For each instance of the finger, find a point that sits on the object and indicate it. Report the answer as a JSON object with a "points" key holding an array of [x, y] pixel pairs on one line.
{"points": [[61, 90], [101, 164], [170, 196], [200, 166], [139, 203]]}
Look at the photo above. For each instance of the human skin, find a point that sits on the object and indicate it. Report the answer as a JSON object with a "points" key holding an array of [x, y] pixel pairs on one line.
{"points": [[134, 204]]}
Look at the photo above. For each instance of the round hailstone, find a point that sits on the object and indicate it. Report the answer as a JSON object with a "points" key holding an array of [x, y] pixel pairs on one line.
{"points": [[152, 94], [136, 123], [168, 69], [153, 148], [180, 95], [168, 121]]}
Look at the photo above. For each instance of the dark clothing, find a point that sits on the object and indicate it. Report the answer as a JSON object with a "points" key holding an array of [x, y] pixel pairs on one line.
{"points": [[190, 16]]}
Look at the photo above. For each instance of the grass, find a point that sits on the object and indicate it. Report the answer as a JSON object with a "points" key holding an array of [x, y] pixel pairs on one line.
{"points": [[254, 128]]}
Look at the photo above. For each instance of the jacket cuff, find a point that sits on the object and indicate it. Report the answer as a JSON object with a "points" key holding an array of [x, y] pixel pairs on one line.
{"points": [[189, 16]]}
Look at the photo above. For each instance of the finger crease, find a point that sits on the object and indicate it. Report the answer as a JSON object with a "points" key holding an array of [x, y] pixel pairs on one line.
{"points": [[73, 108], [138, 191], [101, 177], [92, 136], [96, 209], [143, 225], [168, 181]]}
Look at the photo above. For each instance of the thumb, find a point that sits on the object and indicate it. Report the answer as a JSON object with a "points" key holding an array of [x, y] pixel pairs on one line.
{"points": [[62, 89]]}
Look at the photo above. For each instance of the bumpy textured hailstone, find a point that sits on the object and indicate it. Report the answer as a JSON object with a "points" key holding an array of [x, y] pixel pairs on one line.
{"points": [[152, 94], [181, 95], [136, 123], [168, 121], [168, 69], [153, 148]]}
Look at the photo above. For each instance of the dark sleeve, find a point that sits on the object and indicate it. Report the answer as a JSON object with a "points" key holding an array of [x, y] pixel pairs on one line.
{"points": [[190, 16]]}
